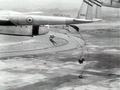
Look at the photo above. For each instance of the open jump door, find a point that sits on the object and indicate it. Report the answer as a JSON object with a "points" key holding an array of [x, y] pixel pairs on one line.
{"points": [[35, 30]]}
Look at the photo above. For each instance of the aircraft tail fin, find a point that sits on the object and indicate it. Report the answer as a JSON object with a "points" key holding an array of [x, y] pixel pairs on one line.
{"points": [[97, 4], [90, 9]]}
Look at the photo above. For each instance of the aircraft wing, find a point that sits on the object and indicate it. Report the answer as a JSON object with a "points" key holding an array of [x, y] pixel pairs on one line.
{"points": [[3, 19]]}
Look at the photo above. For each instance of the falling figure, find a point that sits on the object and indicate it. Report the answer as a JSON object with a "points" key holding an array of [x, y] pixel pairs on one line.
{"points": [[51, 39], [81, 60]]}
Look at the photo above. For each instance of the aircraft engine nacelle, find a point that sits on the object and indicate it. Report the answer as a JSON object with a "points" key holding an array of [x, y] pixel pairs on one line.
{"points": [[24, 30]]}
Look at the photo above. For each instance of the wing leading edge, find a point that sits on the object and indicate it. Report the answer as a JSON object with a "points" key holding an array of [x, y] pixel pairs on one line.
{"points": [[5, 22]]}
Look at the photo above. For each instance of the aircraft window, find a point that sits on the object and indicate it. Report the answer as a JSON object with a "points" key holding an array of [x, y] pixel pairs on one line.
{"points": [[29, 19]]}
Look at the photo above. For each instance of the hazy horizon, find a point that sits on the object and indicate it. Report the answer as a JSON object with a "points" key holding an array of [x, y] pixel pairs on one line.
{"points": [[39, 4]]}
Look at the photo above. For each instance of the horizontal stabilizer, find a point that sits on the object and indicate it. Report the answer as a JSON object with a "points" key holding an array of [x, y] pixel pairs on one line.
{"points": [[87, 21], [97, 20]]}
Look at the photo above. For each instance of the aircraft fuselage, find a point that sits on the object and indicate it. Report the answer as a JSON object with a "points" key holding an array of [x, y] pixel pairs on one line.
{"points": [[111, 3]]}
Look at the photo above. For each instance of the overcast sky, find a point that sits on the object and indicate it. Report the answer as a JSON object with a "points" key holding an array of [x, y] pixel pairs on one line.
{"points": [[11, 4]]}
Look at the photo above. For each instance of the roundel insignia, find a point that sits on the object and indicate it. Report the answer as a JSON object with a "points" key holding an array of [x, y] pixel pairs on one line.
{"points": [[29, 19]]}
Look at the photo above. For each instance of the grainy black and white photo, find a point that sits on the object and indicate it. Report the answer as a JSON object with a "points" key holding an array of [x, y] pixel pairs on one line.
{"points": [[59, 44]]}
